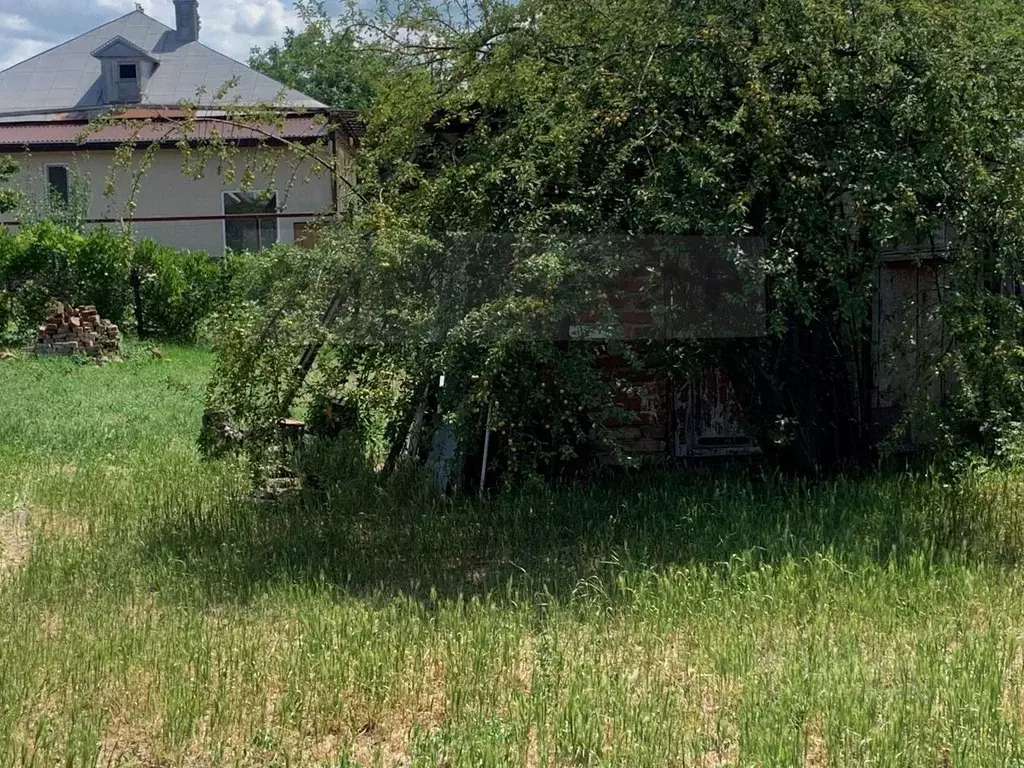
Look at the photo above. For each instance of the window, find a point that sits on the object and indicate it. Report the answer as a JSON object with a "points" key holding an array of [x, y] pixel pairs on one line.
{"points": [[58, 184], [304, 235], [128, 85], [249, 234]]}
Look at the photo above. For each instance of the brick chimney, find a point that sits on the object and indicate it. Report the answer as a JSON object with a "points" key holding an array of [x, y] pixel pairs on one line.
{"points": [[186, 15]]}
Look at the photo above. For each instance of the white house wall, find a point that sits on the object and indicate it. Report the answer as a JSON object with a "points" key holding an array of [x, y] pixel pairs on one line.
{"points": [[165, 191]]}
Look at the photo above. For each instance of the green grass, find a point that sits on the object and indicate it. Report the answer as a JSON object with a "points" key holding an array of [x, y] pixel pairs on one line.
{"points": [[152, 614]]}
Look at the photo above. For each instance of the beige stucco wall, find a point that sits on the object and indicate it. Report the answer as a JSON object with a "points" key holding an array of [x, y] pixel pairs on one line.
{"points": [[303, 187]]}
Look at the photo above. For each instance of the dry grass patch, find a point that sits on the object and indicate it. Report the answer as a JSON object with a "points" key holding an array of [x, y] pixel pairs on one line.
{"points": [[15, 542]]}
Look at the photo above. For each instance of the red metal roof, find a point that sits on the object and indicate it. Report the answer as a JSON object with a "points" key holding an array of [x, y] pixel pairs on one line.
{"points": [[82, 134]]}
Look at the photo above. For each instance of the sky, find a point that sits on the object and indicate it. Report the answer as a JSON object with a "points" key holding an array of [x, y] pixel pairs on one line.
{"points": [[233, 27]]}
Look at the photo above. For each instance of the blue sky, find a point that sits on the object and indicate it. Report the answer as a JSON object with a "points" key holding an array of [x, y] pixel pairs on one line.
{"points": [[28, 27]]}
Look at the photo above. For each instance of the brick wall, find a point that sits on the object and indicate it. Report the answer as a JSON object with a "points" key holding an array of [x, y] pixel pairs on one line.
{"points": [[633, 311]]}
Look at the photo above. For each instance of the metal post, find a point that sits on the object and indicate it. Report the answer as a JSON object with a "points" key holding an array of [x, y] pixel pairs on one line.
{"points": [[487, 452]]}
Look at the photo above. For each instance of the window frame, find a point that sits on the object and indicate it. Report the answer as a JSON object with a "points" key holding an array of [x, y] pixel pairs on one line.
{"points": [[48, 188], [224, 212], [120, 72]]}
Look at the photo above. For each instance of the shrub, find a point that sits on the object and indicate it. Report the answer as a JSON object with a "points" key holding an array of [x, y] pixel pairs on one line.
{"points": [[101, 274], [178, 289], [7, 251], [45, 262]]}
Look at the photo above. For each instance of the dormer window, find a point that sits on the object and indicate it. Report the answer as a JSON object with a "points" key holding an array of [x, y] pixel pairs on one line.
{"points": [[126, 71]]}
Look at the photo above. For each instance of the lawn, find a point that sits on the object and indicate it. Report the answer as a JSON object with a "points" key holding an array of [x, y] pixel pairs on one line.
{"points": [[154, 614]]}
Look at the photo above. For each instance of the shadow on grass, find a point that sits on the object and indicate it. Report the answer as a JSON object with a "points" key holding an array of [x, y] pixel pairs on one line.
{"points": [[350, 534]]}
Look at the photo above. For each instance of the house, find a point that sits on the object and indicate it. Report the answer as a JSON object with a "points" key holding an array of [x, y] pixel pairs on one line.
{"points": [[155, 86]]}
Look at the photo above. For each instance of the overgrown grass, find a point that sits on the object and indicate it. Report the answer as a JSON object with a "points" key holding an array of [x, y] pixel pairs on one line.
{"points": [[164, 618]]}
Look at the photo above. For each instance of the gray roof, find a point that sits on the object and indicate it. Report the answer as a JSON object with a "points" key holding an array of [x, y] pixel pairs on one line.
{"points": [[118, 47], [67, 78]]}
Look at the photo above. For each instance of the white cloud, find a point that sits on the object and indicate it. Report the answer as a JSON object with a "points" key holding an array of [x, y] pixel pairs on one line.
{"points": [[19, 50], [232, 27]]}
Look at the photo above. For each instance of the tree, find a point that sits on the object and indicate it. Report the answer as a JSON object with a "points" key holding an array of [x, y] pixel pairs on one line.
{"points": [[832, 129], [322, 60]]}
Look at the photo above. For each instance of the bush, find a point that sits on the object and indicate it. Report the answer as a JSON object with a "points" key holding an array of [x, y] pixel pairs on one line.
{"points": [[45, 262], [101, 274], [178, 289]]}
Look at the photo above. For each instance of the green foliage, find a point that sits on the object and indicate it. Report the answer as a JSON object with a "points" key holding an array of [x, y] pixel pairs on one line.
{"points": [[9, 198], [180, 289], [46, 262], [832, 132], [271, 317], [322, 60], [38, 204], [101, 273]]}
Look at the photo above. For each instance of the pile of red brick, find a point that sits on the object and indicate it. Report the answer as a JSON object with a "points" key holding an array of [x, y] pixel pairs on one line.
{"points": [[78, 330]]}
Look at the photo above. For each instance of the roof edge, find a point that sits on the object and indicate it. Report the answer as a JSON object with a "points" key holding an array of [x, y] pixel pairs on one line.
{"points": [[71, 115], [209, 114]]}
